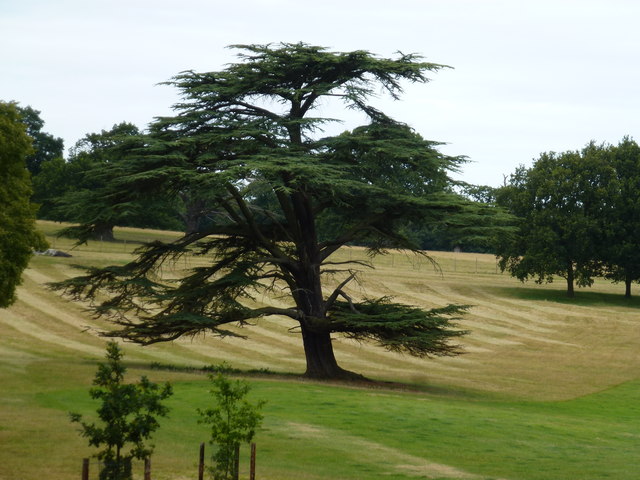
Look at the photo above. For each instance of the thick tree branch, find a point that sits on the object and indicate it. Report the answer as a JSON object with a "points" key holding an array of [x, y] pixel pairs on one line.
{"points": [[267, 244], [338, 291]]}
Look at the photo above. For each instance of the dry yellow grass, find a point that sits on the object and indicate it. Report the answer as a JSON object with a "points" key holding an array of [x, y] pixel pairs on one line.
{"points": [[520, 343]]}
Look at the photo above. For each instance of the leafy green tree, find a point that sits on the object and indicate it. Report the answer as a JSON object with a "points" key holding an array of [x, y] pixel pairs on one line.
{"points": [[18, 235], [558, 203], [92, 198], [127, 414], [247, 133], [46, 147], [621, 220], [92, 202], [233, 420], [58, 177]]}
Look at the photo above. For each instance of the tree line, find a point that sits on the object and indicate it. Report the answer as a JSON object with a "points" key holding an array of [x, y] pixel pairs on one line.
{"points": [[85, 188], [576, 215]]}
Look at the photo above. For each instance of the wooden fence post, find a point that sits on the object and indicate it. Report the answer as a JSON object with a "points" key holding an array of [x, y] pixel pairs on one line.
{"points": [[236, 463], [85, 469], [147, 468], [201, 464], [252, 465]]}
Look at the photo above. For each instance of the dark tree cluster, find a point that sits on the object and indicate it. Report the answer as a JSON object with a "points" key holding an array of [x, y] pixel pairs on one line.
{"points": [[83, 188], [45, 147], [578, 216], [476, 234], [79, 188]]}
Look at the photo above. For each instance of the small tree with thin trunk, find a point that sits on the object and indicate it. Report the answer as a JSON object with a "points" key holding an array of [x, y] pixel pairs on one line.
{"points": [[128, 414], [233, 420]]}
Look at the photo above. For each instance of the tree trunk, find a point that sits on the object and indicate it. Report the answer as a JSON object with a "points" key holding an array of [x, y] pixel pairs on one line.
{"points": [[190, 224], [103, 232], [570, 290], [307, 291], [193, 214], [627, 286], [321, 361]]}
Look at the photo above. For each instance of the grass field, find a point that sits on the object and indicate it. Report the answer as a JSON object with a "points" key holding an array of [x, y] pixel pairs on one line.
{"points": [[548, 387]]}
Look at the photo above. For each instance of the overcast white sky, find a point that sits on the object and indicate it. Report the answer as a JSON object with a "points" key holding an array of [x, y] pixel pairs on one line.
{"points": [[527, 77]]}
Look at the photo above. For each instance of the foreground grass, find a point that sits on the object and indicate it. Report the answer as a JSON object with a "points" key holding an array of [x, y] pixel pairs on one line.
{"points": [[319, 431], [548, 387]]}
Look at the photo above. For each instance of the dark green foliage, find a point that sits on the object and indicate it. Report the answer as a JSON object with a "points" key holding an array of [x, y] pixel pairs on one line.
{"points": [[280, 200], [233, 420], [18, 235], [621, 220], [398, 327], [46, 147], [56, 177], [91, 201], [92, 196], [127, 414], [560, 203], [477, 230]]}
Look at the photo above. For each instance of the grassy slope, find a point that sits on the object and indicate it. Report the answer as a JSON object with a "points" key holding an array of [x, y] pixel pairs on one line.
{"points": [[546, 389]]}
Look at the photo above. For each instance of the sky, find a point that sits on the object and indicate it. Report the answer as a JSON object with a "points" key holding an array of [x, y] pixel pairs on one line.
{"points": [[527, 76]]}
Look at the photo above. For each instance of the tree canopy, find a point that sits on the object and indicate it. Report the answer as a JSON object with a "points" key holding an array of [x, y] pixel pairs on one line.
{"points": [[18, 236], [83, 190], [46, 147], [620, 252], [282, 199], [561, 204], [91, 202]]}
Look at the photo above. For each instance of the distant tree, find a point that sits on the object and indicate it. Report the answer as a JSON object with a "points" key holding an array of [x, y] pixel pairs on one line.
{"points": [[92, 201], [252, 136], [479, 193], [18, 235], [92, 197], [558, 203], [127, 414], [476, 233], [46, 147], [56, 178], [233, 420], [621, 221]]}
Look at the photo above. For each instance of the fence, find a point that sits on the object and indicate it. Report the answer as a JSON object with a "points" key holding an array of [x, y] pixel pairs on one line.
{"points": [[436, 263], [201, 465], [447, 262]]}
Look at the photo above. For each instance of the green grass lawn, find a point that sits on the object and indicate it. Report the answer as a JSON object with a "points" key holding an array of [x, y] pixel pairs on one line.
{"points": [[548, 388], [320, 431]]}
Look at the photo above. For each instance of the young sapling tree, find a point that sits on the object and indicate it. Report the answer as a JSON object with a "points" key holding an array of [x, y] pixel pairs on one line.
{"points": [[128, 416], [233, 420]]}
